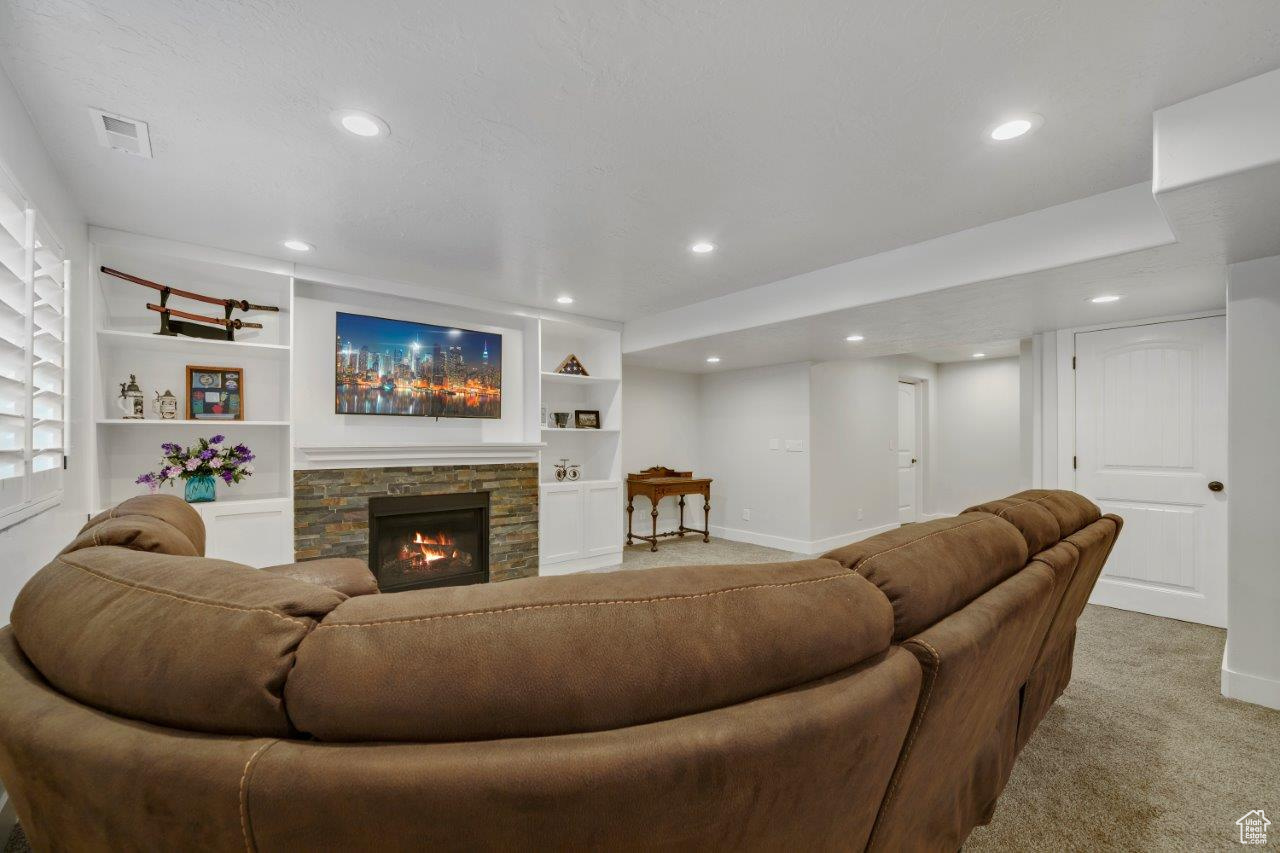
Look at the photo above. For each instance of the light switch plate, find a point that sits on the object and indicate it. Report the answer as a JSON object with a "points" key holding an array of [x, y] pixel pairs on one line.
{"points": [[775, 444], [795, 445]]}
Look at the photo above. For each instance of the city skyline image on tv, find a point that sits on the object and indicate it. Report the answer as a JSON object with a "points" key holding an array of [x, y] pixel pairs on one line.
{"points": [[400, 367]]}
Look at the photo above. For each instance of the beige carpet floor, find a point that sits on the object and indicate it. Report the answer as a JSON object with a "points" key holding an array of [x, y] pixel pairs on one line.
{"points": [[1140, 753]]}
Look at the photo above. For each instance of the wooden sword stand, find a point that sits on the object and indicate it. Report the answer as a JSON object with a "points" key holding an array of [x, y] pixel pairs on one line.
{"points": [[218, 328]]}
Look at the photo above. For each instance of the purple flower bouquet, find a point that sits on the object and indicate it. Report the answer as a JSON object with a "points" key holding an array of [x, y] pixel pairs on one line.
{"points": [[202, 462]]}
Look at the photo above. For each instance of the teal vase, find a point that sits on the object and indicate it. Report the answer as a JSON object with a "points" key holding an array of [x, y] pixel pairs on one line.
{"points": [[200, 490]]}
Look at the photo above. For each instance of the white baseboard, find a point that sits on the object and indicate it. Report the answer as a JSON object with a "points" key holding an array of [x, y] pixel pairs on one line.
{"points": [[798, 546], [822, 546], [782, 543], [934, 516], [1249, 688], [8, 817], [582, 564]]}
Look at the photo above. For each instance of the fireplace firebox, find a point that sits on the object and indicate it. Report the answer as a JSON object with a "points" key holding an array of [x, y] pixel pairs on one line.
{"points": [[418, 541]]}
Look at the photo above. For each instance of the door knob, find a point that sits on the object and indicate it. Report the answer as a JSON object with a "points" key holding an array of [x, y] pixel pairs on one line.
{"points": [[914, 461], [1216, 486]]}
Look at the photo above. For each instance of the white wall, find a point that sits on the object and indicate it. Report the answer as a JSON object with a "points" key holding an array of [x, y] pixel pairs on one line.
{"points": [[28, 546], [1251, 668], [315, 423], [660, 427], [855, 422], [979, 433], [740, 413]]}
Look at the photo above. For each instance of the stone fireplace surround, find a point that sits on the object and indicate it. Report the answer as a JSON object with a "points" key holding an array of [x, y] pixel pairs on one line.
{"points": [[331, 508]]}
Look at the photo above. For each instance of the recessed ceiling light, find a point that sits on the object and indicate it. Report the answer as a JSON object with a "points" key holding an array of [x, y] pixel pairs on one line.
{"points": [[1015, 127], [715, 359], [855, 338], [979, 355], [702, 248], [564, 300], [360, 123], [298, 245], [1110, 297]]}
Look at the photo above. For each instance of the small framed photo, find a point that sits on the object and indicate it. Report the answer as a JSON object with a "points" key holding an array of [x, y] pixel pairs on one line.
{"points": [[586, 418], [215, 393]]}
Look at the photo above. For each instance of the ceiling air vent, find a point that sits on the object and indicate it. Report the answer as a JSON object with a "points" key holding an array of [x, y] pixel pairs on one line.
{"points": [[122, 133]]}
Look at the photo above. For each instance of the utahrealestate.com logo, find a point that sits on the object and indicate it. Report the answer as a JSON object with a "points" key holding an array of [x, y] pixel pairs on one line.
{"points": [[1253, 827]]}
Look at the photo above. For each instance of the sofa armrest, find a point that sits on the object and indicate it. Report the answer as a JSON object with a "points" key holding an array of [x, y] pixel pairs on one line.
{"points": [[344, 574]]}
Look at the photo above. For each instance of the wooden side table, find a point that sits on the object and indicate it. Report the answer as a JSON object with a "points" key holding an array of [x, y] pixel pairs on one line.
{"points": [[658, 483]]}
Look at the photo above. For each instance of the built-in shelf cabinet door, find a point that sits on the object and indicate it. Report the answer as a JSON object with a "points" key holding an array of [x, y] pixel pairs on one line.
{"points": [[602, 518], [581, 526], [561, 527], [255, 533]]}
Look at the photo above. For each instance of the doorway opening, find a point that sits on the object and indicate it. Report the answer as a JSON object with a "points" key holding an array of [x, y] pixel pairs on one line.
{"points": [[910, 450]]}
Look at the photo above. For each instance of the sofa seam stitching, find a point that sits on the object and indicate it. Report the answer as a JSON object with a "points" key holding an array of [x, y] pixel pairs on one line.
{"points": [[175, 597], [928, 536], [617, 601], [244, 792], [1024, 503]]}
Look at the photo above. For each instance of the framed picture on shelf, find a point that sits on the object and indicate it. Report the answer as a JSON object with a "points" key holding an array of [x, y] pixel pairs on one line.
{"points": [[215, 393], [586, 418]]}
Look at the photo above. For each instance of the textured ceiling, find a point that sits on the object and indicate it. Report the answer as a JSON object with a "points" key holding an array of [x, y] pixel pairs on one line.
{"points": [[578, 146], [1168, 281]]}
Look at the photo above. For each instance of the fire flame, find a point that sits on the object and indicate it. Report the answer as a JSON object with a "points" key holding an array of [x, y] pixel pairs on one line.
{"points": [[434, 547]]}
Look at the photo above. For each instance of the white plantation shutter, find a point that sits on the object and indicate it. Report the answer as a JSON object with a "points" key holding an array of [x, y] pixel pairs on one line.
{"points": [[33, 278]]}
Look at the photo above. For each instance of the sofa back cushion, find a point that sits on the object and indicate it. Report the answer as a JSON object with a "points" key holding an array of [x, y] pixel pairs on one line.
{"points": [[166, 509], [1086, 550], [178, 641], [931, 570], [963, 738], [579, 653], [1043, 516]]}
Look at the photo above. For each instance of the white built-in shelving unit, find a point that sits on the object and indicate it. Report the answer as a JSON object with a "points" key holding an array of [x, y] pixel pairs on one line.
{"points": [[581, 521], [252, 522]]}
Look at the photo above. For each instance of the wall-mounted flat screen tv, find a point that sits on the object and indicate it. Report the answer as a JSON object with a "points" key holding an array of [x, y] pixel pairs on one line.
{"points": [[398, 367]]}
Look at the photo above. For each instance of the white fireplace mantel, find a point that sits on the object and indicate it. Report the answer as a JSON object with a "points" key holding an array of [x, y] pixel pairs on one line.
{"points": [[402, 455]]}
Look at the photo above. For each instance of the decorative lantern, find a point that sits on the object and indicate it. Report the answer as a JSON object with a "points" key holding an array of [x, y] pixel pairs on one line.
{"points": [[131, 401], [165, 405]]}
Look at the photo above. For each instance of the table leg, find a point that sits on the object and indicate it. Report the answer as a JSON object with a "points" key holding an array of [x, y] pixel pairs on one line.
{"points": [[681, 527], [654, 513], [706, 519], [631, 508]]}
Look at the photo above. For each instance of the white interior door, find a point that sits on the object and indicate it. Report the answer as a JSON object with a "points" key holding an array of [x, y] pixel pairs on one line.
{"points": [[1151, 444], [908, 454]]}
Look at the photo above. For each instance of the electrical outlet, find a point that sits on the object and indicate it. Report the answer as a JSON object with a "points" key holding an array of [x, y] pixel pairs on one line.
{"points": [[746, 515], [859, 513], [795, 445]]}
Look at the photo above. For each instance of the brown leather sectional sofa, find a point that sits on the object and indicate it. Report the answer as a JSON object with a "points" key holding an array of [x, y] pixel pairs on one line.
{"points": [[872, 699]]}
